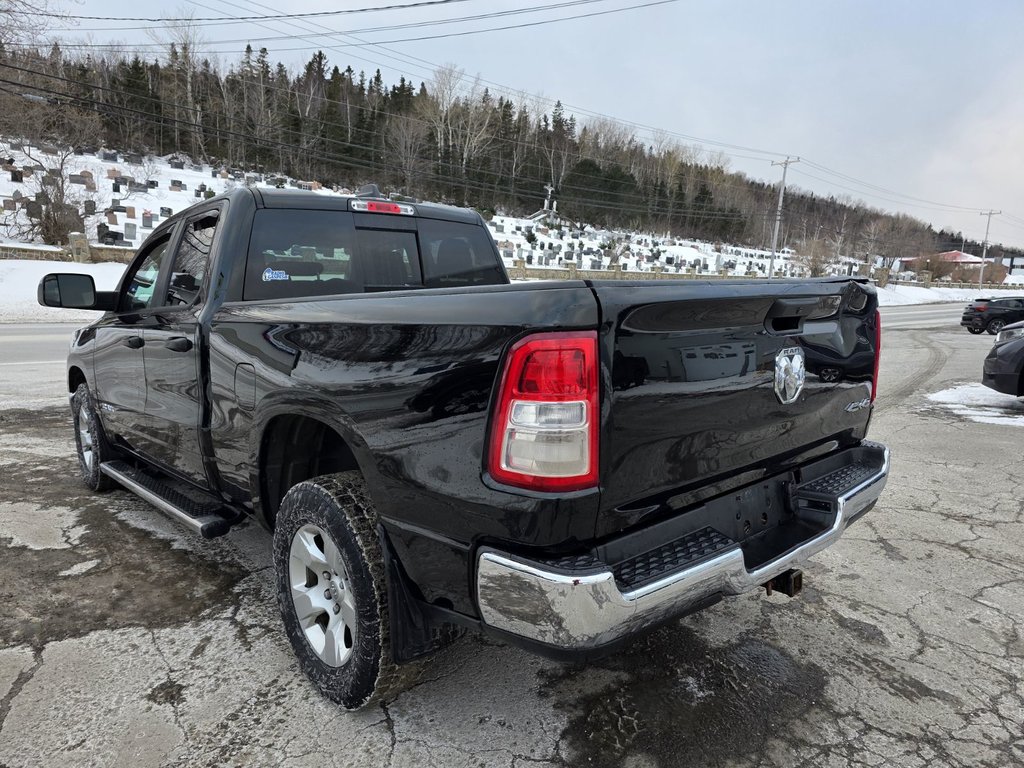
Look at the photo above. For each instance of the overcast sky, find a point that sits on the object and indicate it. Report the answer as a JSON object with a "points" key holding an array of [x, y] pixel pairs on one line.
{"points": [[923, 99]]}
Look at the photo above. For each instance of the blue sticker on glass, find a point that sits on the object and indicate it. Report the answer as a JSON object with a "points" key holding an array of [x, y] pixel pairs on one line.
{"points": [[274, 274]]}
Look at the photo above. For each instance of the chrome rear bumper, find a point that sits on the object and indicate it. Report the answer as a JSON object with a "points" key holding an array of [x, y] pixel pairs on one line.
{"points": [[581, 610]]}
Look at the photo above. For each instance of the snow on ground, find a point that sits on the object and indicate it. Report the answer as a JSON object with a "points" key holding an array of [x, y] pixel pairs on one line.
{"points": [[981, 404], [895, 295], [19, 280]]}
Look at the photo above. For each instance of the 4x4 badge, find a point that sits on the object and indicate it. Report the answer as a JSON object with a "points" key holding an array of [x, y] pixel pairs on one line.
{"points": [[790, 374]]}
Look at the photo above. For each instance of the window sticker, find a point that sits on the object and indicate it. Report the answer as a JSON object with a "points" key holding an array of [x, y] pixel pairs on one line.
{"points": [[274, 274]]}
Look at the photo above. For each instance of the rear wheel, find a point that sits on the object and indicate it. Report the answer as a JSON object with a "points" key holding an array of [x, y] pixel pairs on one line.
{"points": [[90, 441], [995, 326], [332, 593], [975, 330]]}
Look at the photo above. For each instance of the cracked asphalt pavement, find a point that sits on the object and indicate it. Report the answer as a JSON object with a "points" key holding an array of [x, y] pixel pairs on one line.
{"points": [[125, 640]]}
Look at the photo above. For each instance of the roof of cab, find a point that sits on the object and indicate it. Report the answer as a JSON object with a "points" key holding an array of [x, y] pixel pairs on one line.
{"points": [[271, 197]]}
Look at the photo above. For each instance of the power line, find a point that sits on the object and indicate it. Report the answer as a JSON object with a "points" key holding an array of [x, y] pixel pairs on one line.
{"points": [[366, 30], [464, 33], [311, 14], [644, 209]]}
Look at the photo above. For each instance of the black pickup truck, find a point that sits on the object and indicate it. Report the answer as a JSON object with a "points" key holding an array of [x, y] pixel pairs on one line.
{"points": [[561, 464]]}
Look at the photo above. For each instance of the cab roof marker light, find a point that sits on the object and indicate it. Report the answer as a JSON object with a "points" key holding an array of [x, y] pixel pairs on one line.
{"points": [[381, 206]]}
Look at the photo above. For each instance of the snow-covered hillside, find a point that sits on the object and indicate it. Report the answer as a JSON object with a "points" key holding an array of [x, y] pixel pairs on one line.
{"points": [[589, 248], [130, 194], [126, 195]]}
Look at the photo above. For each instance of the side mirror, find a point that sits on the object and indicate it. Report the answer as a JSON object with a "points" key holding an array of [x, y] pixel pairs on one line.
{"points": [[71, 291]]}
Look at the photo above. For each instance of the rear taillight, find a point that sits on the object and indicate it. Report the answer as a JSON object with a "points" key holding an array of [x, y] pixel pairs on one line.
{"points": [[878, 354], [545, 429], [980, 307]]}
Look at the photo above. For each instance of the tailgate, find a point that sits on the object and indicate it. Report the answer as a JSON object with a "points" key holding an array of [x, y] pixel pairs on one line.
{"points": [[692, 408]]}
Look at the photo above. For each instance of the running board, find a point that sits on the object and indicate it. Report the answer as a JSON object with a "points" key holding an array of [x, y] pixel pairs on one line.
{"points": [[196, 510]]}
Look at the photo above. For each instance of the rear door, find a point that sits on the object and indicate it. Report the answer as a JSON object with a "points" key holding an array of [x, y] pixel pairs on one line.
{"points": [[173, 354], [712, 383]]}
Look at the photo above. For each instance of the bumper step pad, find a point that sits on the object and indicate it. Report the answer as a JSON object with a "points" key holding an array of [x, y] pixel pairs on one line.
{"points": [[829, 487], [197, 510], [673, 556]]}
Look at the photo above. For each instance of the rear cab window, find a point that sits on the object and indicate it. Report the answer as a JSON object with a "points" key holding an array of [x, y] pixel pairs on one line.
{"points": [[296, 253]]}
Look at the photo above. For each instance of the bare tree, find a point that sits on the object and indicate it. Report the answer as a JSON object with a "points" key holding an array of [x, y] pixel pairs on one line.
{"points": [[24, 20], [51, 132], [406, 139], [436, 109]]}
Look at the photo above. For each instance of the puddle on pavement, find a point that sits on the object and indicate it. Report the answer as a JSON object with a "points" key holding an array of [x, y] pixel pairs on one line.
{"points": [[137, 579], [678, 701]]}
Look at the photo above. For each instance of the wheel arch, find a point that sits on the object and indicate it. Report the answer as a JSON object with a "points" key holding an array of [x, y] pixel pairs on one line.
{"points": [[76, 377], [297, 440]]}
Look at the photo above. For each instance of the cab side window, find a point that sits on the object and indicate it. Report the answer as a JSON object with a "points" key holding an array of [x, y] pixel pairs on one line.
{"points": [[141, 289], [192, 260]]}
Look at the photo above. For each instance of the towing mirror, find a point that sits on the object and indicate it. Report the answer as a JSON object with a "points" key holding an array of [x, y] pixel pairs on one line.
{"points": [[71, 291]]}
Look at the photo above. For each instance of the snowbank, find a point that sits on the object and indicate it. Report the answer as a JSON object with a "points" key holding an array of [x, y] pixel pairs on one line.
{"points": [[896, 295], [981, 404], [20, 278]]}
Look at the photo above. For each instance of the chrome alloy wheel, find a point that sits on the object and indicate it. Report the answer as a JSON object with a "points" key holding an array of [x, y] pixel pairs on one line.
{"points": [[322, 595], [85, 439]]}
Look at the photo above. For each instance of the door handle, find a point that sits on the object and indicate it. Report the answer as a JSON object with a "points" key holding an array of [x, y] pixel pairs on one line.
{"points": [[132, 342], [178, 344]]}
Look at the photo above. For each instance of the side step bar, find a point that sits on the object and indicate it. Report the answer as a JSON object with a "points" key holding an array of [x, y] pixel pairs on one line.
{"points": [[202, 516]]}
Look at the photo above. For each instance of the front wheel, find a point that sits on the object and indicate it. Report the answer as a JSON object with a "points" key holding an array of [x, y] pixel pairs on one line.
{"points": [[995, 326], [973, 329], [332, 593], [90, 441]]}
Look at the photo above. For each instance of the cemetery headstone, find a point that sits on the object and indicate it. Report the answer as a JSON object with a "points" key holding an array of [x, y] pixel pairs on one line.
{"points": [[90, 207], [17, 176], [130, 211], [166, 212], [9, 204], [147, 221], [79, 245], [130, 231], [111, 218], [177, 165], [153, 184]]}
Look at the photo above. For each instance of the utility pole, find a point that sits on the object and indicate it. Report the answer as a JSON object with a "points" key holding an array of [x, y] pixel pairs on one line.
{"points": [[984, 246], [778, 210]]}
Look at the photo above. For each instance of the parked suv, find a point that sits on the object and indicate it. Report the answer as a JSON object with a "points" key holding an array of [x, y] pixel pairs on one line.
{"points": [[992, 314]]}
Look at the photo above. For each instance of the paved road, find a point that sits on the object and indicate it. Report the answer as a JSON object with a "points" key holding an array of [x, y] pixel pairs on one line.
{"points": [[922, 316], [126, 641], [32, 363]]}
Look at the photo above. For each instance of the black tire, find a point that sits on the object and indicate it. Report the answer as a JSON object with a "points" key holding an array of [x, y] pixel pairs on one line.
{"points": [[87, 425], [975, 330], [995, 326], [340, 506]]}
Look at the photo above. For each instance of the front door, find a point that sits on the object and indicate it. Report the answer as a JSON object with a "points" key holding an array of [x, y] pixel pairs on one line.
{"points": [[120, 346], [173, 345]]}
